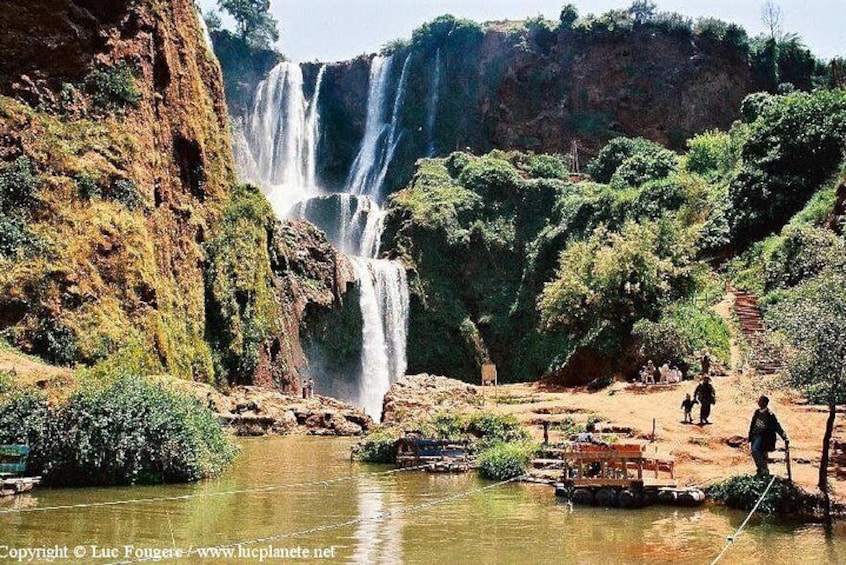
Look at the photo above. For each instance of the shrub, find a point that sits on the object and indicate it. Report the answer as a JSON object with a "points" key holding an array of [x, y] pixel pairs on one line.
{"points": [[88, 187], [801, 253], [18, 184], [617, 151], [445, 29], [126, 192], [656, 198], [24, 417], [754, 105], [112, 87], [713, 154], [495, 428], [503, 461], [663, 340], [644, 167], [490, 177], [378, 447], [126, 432], [743, 491], [55, 342], [568, 17]]}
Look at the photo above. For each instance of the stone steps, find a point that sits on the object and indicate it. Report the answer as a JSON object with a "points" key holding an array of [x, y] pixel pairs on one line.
{"points": [[748, 312]]}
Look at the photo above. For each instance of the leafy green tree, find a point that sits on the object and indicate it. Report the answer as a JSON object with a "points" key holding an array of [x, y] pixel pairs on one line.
{"points": [[569, 15], [793, 147], [613, 279], [618, 150], [814, 322], [255, 24]]}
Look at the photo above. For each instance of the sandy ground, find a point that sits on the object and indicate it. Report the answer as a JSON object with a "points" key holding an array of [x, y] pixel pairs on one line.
{"points": [[702, 454]]}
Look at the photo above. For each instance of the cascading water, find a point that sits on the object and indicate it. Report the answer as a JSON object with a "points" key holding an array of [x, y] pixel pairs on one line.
{"points": [[381, 137], [432, 106], [282, 133]]}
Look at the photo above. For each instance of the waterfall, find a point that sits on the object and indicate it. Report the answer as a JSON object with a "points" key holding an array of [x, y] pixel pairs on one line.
{"points": [[363, 168], [432, 106], [384, 309], [278, 147], [282, 134], [381, 137]]}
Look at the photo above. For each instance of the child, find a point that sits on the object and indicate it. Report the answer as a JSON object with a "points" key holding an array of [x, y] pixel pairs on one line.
{"points": [[687, 406]]}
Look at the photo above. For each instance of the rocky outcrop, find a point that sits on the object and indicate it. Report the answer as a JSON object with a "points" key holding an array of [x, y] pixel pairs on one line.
{"points": [[255, 411], [310, 279], [418, 397]]}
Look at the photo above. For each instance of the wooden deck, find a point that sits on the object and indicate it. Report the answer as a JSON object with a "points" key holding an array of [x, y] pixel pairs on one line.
{"points": [[625, 466]]}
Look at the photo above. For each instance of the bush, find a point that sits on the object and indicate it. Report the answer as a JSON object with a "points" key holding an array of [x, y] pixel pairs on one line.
{"points": [[491, 177], [378, 447], [55, 342], [801, 253], [126, 192], [568, 17], [663, 340], [126, 432], [617, 151], [644, 167], [495, 428], [713, 154], [112, 87], [503, 461], [743, 491], [445, 29], [18, 184], [794, 146]]}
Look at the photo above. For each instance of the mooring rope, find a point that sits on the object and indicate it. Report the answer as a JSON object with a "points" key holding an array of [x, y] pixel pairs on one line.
{"points": [[730, 540], [327, 527], [268, 488]]}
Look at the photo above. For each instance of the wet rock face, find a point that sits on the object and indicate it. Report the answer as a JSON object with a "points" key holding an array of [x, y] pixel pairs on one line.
{"points": [[415, 397]]}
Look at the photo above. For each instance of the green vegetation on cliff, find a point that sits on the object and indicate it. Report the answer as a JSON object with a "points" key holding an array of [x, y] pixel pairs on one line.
{"points": [[514, 263]]}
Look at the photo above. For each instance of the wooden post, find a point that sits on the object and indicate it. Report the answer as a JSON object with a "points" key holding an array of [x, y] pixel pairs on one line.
{"points": [[546, 432], [653, 430]]}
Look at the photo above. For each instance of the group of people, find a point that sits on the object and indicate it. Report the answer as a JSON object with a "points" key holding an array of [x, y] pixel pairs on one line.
{"points": [[308, 388], [665, 374]]}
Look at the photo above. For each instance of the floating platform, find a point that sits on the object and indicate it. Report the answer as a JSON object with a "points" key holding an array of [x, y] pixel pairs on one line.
{"points": [[432, 455], [10, 486]]}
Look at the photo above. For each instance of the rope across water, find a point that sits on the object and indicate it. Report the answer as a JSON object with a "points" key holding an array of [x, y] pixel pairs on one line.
{"points": [[269, 488], [376, 518], [730, 540]]}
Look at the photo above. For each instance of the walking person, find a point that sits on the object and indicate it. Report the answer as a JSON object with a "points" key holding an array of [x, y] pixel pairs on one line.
{"points": [[305, 389], [707, 396], [762, 435], [687, 406]]}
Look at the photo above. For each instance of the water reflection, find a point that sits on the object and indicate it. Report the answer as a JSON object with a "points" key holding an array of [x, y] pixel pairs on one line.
{"points": [[509, 524], [378, 537]]}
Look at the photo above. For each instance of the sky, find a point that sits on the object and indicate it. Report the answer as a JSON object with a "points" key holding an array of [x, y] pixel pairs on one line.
{"points": [[334, 30]]}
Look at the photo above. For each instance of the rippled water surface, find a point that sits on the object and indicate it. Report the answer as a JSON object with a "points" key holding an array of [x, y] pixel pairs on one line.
{"points": [[513, 523]]}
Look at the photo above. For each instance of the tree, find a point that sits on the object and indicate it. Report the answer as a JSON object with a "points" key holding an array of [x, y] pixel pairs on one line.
{"points": [[569, 15], [772, 17], [255, 24], [212, 20], [643, 11], [814, 323]]}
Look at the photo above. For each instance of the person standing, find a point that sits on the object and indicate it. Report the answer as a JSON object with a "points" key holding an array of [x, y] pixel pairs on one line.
{"points": [[706, 362], [707, 396], [305, 389], [687, 406], [762, 435], [311, 388]]}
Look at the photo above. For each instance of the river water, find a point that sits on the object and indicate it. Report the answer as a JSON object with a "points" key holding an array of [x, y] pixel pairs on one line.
{"points": [[513, 523]]}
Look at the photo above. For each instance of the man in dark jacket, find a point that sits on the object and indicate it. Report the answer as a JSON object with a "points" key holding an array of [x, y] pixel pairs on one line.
{"points": [[762, 435], [706, 395]]}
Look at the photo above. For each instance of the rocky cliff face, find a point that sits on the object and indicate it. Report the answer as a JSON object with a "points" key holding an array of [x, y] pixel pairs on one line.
{"points": [[117, 178], [522, 88]]}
